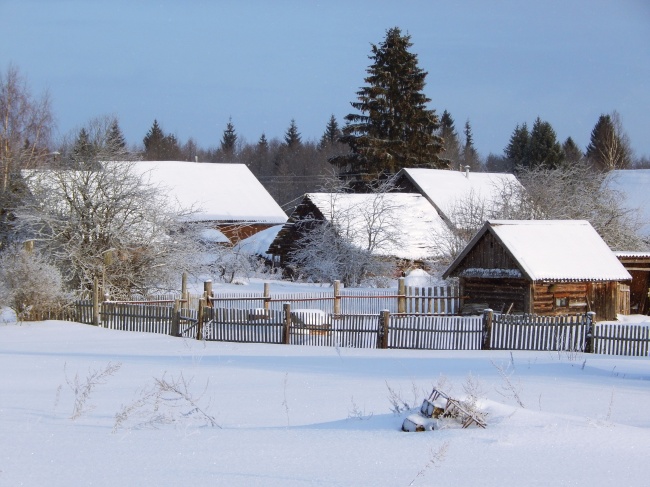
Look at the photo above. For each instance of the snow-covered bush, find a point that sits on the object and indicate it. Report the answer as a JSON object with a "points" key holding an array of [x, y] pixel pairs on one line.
{"points": [[29, 284]]}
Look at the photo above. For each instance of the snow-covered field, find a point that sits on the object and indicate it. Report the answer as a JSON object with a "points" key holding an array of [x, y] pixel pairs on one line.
{"points": [[297, 416]]}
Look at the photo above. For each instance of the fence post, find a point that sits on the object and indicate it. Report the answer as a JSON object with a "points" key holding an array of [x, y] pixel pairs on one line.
{"points": [[286, 307], [401, 295], [267, 297], [96, 301], [382, 336], [488, 316], [176, 311], [337, 297], [207, 293], [199, 319], [184, 293], [591, 332]]}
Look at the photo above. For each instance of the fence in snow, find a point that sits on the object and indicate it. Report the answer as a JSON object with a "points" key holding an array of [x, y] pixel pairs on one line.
{"points": [[381, 330]]}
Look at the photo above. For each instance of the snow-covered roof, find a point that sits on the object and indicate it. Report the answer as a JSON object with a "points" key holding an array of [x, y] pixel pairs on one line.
{"points": [[446, 189], [554, 250], [220, 192], [634, 185], [259, 243], [212, 235], [408, 217]]}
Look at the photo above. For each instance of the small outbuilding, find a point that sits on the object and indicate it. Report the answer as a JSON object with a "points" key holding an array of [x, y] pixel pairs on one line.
{"points": [[545, 267], [638, 265]]}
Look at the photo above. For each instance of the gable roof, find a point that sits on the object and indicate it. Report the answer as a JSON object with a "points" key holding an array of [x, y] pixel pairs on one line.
{"points": [[220, 192], [552, 250], [633, 184], [407, 216], [445, 189]]}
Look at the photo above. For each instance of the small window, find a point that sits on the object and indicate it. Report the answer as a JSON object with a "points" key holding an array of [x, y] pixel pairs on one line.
{"points": [[561, 302]]}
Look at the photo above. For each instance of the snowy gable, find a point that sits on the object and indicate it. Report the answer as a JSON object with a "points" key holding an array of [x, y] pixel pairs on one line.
{"points": [[401, 223], [557, 250], [220, 192], [633, 185], [447, 190]]}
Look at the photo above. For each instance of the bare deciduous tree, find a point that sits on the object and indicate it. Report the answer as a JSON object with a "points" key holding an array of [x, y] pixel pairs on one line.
{"points": [[580, 193], [25, 130]]}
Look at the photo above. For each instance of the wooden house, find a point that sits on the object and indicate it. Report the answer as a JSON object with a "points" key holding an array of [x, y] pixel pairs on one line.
{"points": [[226, 197], [638, 265], [545, 267], [399, 223]]}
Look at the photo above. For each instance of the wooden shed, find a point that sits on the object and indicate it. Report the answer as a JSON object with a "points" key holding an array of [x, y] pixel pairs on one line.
{"points": [[545, 267], [638, 265]]}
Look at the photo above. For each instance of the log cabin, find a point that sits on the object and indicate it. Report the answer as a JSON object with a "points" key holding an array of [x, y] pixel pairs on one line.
{"points": [[400, 224], [544, 267]]}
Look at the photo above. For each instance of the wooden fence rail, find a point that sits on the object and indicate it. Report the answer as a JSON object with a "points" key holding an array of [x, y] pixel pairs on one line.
{"points": [[423, 331]]}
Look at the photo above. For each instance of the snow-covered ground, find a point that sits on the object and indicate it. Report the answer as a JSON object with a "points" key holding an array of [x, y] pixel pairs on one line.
{"points": [[298, 416]]}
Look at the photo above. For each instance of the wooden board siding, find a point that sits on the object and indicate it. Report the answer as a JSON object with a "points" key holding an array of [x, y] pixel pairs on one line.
{"points": [[239, 231], [498, 294], [639, 268], [488, 253], [603, 296], [560, 298]]}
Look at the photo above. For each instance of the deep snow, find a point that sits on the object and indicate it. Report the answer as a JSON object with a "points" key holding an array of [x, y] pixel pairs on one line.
{"points": [[297, 416]]}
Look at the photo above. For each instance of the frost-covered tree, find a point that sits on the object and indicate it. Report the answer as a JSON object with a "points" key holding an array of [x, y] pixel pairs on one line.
{"points": [[107, 221], [29, 284], [577, 192], [348, 245], [26, 125]]}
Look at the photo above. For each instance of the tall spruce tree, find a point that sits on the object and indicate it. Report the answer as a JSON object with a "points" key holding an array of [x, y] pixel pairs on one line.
{"points": [[517, 147], [451, 151], [470, 156], [292, 136], [572, 153], [83, 151], [160, 147], [394, 128], [153, 143], [543, 148], [229, 139], [115, 138], [608, 148], [263, 143], [332, 133]]}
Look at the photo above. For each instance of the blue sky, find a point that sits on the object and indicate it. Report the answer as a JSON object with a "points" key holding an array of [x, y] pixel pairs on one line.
{"points": [[194, 64]]}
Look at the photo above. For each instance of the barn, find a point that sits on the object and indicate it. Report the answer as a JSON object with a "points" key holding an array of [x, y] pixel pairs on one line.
{"points": [[545, 267]]}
